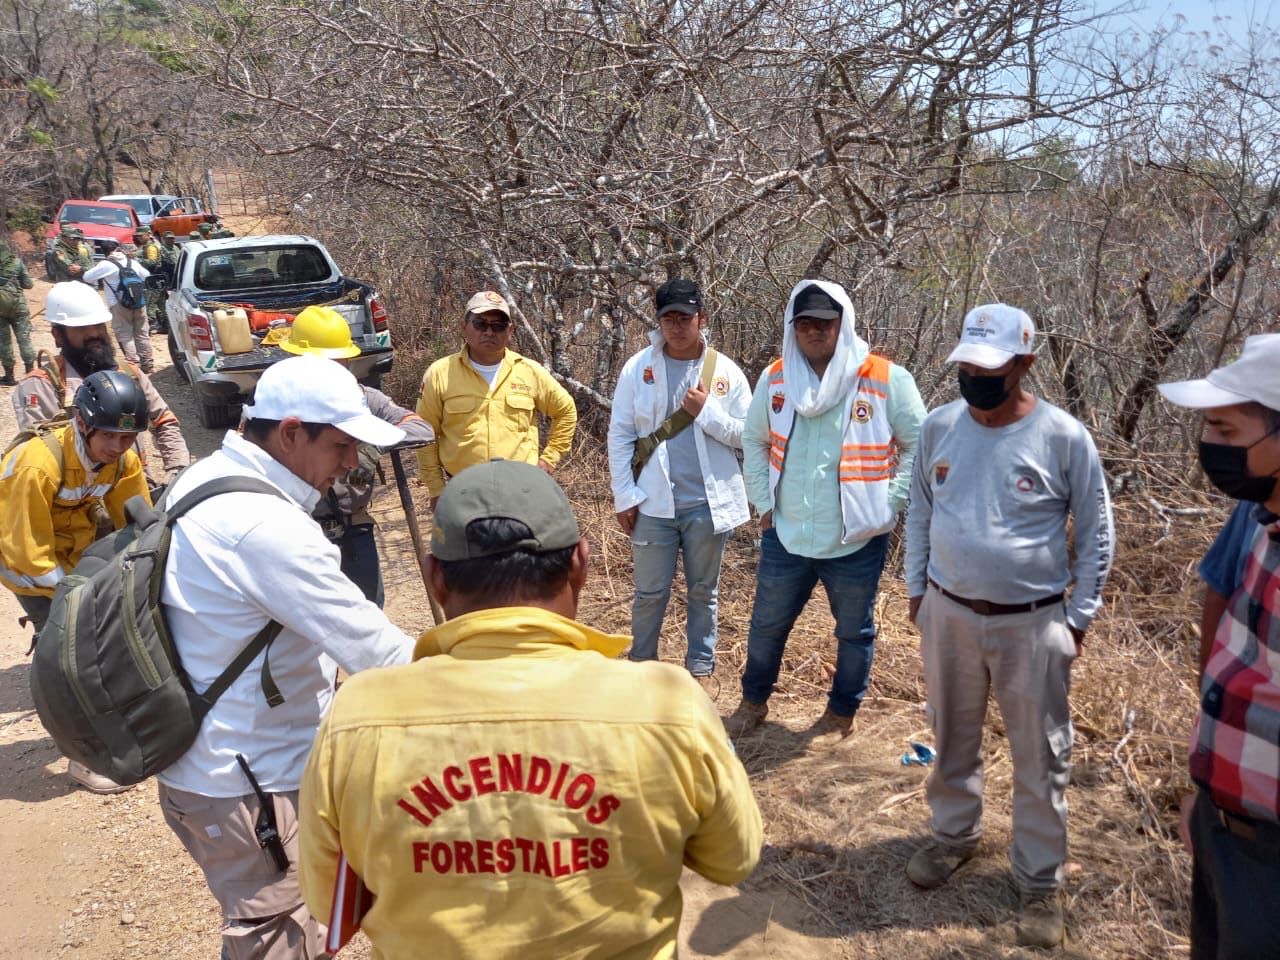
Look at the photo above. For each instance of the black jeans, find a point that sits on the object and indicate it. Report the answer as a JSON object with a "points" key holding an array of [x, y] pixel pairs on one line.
{"points": [[1235, 888]]}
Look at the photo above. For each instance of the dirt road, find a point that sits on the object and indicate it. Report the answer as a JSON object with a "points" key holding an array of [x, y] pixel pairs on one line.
{"points": [[103, 877]]}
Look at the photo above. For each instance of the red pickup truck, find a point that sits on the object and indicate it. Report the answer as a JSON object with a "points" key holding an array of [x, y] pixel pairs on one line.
{"points": [[99, 219]]}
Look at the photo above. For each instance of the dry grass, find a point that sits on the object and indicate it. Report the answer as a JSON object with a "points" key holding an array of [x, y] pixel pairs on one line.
{"points": [[841, 823]]}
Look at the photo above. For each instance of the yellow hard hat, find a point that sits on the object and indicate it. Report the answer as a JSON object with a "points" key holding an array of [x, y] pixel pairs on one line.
{"points": [[322, 331]]}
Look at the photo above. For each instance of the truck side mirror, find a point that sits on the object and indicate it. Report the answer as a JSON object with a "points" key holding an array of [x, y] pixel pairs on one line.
{"points": [[46, 217], [155, 282]]}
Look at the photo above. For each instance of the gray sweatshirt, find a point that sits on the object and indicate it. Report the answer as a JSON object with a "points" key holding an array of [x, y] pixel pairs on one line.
{"points": [[988, 513]]}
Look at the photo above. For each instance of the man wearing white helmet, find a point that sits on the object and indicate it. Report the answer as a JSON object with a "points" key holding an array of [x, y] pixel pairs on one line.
{"points": [[79, 321], [237, 564], [127, 299], [997, 474]]}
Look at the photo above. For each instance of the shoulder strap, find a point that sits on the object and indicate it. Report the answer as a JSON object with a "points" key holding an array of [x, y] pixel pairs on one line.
{"points": [[55, 448], [679, 420], [263, 638], [215, 488]]}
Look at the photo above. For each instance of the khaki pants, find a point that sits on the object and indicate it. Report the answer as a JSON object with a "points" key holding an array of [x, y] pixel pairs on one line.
{"points": [[134, 335], [263, 916], [1025, 659]]}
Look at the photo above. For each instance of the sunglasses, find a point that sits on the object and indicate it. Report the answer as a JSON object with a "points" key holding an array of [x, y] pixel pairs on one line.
{"points": [[496, 326]]}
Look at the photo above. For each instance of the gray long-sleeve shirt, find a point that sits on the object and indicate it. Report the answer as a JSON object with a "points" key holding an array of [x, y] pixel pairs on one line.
{"points": [[988, 513]]}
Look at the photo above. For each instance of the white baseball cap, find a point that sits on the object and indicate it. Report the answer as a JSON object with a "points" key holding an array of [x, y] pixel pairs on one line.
{"points": [[319, 390], [992, 335], [1253, 377], [487, 300]]}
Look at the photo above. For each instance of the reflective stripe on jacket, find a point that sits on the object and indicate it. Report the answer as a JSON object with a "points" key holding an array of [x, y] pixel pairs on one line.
{"points": [[869, 458], [46, 519]]}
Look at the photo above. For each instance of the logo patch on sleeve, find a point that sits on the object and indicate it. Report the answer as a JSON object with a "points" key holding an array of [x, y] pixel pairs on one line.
{"points": [[862, 410], [940, 471], [720, 387]]}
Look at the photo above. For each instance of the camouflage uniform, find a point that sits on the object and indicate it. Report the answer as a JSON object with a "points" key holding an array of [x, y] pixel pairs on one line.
{"points": [[68, 252], [14, 316], [151, 256]]}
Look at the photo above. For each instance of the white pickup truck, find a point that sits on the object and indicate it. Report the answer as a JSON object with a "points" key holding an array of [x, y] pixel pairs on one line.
{"points": [[269, 275]]}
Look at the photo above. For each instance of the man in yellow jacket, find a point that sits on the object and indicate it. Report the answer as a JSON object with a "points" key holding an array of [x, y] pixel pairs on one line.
{"points": [[481, 401], [517, 791], [52, 488]]}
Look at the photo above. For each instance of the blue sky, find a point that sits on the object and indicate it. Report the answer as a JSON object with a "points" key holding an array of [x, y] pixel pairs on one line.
{"points": [[1213, 16]]}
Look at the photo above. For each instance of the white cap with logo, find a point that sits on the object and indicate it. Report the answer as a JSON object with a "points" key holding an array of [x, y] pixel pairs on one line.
{"points": [[994, 334], [1253, 377], [487, 300], [319, 390]]}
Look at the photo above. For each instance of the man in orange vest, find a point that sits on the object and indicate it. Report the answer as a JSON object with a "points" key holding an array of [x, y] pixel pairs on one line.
{"points": [[827, 453]]}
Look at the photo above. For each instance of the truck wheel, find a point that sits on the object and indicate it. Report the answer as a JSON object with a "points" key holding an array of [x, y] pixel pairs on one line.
{"points": [[217, 415], [177, 359]]}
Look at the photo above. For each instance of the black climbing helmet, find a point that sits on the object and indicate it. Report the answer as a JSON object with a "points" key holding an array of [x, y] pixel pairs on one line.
{"points": [[112, 401]]}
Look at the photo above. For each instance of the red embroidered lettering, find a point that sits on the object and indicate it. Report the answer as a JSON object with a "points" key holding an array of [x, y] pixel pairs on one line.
{"points": [[411, 809], [555, 790], [579, 853], [482, 775], [484, 856], [526, 848], [421, 856], [599, 853], [600, 812], [441, 857], [580, 790], [562, 868], [540, 862], [539, 775], [431, 798], [458, 791], [506, 858], [462, 855], [510, 772]]}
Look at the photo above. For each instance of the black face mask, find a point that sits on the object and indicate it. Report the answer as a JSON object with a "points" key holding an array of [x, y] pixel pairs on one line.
{"points": [[1227, 468], [983, 392]]}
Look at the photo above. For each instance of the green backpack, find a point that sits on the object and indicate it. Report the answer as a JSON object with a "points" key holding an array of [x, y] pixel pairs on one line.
{"points": [[106, 678]]}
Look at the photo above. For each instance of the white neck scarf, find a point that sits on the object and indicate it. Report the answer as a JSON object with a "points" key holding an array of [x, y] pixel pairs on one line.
{"points": [[810, 395]]}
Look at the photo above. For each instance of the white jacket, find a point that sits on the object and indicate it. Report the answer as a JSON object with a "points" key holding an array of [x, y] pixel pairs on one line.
{"points": [[109, 270], [639, 407]]}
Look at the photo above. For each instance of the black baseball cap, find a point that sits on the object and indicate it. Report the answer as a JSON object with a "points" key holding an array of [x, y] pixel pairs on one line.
{"points": [[813, 301], [502, 488], [682, 296]]}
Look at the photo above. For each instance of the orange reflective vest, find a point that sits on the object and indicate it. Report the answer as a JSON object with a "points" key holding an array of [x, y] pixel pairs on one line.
{"points": [[868, 459]]}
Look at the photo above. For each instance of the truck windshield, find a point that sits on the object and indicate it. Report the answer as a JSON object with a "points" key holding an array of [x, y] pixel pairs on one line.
{"points": [[89, 213], [242, 269]]}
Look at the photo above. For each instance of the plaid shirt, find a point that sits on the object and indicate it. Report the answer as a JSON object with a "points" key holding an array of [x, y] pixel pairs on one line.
{"points": [[1235, 745]]}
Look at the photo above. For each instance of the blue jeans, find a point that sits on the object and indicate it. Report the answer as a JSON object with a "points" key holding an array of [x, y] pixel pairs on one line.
{"points": [[654, 544], [360, 560], [784, 583]]}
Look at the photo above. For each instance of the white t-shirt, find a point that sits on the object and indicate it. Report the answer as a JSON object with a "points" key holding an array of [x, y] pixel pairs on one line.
{"points": [[109, 271], [236, 562], [488, 371]]}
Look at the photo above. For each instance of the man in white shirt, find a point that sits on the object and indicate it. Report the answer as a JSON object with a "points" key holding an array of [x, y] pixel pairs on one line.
{"points": [[681, 405], [238, 562], [128, 303]]}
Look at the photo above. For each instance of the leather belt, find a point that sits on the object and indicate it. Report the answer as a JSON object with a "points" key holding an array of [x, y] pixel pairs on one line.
{"points": [[1246, 828], [986, 608]]}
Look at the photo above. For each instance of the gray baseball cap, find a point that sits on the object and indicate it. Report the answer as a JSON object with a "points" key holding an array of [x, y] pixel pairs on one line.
{"points": [[509, 489]]}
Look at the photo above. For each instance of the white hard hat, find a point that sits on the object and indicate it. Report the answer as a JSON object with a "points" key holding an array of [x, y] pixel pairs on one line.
{"points": [[75, 304]]}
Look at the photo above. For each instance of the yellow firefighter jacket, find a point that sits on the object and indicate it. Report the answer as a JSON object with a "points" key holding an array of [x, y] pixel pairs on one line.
{"points": [[474, 424], [46, 517], [522, 794]]}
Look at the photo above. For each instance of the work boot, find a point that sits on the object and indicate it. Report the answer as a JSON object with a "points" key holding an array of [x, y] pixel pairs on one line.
{"points": [[8, 380], [29, 366], [709, 683], [933, 864], [746, 718], [830, 729], [1040, 920], [94, 782]]}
